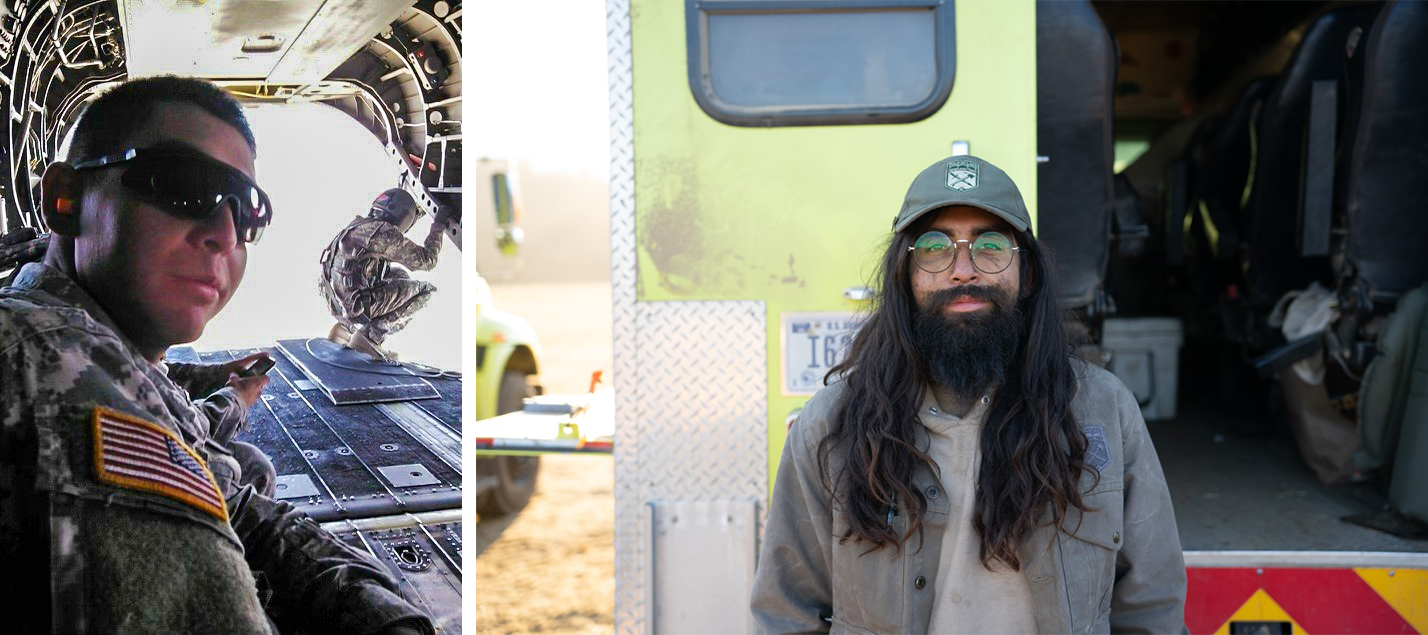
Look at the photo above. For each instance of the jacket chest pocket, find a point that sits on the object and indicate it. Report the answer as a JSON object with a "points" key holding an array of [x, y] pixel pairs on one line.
{"points": [[1089, 544], [840, 626], [874, 590], [869, 587]]}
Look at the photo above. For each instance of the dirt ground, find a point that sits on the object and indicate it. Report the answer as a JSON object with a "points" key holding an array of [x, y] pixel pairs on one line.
{"points": [[551, 568]]}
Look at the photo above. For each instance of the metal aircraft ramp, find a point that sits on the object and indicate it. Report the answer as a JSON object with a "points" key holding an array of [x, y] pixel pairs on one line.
{"points": [[384, 476]]}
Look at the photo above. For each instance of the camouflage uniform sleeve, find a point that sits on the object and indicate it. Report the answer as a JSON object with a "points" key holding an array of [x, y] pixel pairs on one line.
{"points": [[391, 244], [320, 584], [24, 532], [198, 380], [225, 414], [207, 385]]}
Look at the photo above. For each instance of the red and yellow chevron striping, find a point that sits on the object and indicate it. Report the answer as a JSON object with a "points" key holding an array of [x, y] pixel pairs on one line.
{"points": [[1308, 601]]}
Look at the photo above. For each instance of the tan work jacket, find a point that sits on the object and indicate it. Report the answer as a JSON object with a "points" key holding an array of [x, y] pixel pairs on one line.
{"points": [[1118, 568]]}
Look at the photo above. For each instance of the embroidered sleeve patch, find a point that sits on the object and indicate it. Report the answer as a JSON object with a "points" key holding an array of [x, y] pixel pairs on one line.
{"points": [[135, 454], [1097, 454]]}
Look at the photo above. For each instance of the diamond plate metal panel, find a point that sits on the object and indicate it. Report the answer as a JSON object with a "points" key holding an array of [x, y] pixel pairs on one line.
{"points": [[690, 377], [700, 414], [702, 409], [629, 573]]}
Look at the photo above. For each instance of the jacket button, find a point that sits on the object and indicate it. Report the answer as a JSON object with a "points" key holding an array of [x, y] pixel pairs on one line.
{"points": [[1116, 537], [933, 492], [919, 582]]}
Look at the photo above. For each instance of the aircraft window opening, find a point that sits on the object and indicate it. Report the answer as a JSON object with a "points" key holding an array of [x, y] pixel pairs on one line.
{"points": [[786, 63]]}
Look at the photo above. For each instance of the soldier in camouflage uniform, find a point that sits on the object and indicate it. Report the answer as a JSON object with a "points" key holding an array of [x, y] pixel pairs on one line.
{"points": [[119, 510], [370, 298]]}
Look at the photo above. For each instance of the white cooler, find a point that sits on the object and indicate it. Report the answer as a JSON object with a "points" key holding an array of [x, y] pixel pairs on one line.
{"points": [[1145, 354]]}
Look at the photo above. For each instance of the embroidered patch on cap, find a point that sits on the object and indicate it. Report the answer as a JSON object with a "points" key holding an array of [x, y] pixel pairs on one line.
{"points": [[132, 453], [961, 176], [1098, 454]]}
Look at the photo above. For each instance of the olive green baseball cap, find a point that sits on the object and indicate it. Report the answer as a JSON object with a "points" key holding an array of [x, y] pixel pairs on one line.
{"points": [[963, 180]]}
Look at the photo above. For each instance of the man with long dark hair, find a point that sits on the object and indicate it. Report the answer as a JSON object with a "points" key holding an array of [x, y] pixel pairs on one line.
{"points": [[962, 472]]}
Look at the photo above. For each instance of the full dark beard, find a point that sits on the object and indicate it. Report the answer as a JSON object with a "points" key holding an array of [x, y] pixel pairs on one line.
{"points": [[968, 354]]}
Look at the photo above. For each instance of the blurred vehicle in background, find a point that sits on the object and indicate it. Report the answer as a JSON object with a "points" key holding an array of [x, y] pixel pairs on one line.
{"points": [[507, 349], [500, 257]]}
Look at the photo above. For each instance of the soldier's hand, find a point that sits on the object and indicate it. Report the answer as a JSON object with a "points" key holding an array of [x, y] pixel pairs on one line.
{"points": [[237, 366], [438, 225], [249, 389], [443, 215]]}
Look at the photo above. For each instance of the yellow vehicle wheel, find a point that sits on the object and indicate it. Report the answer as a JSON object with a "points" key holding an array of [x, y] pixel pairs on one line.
{"points": [[516, 475]]}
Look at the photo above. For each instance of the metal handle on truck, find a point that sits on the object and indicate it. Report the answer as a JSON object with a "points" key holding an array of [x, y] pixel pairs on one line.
{"points": [[859, 294]]}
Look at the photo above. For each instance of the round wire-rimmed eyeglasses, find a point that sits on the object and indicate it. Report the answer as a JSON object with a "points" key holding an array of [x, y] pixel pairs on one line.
{"points": [[991, 253]]}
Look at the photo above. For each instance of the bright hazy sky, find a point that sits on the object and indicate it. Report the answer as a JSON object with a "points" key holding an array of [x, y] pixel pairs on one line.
{"points": [[535, 84], [534, 79], [321, 169]]}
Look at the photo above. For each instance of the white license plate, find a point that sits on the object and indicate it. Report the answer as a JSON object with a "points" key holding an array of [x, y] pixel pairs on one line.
{"points": [[813, 343]]}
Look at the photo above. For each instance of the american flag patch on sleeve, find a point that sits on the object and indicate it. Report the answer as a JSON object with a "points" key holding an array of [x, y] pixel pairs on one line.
{"points": [[135, 454]]}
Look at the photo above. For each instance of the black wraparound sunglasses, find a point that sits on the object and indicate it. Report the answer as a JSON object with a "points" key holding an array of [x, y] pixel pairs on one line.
{"points": [[191, 186]]}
